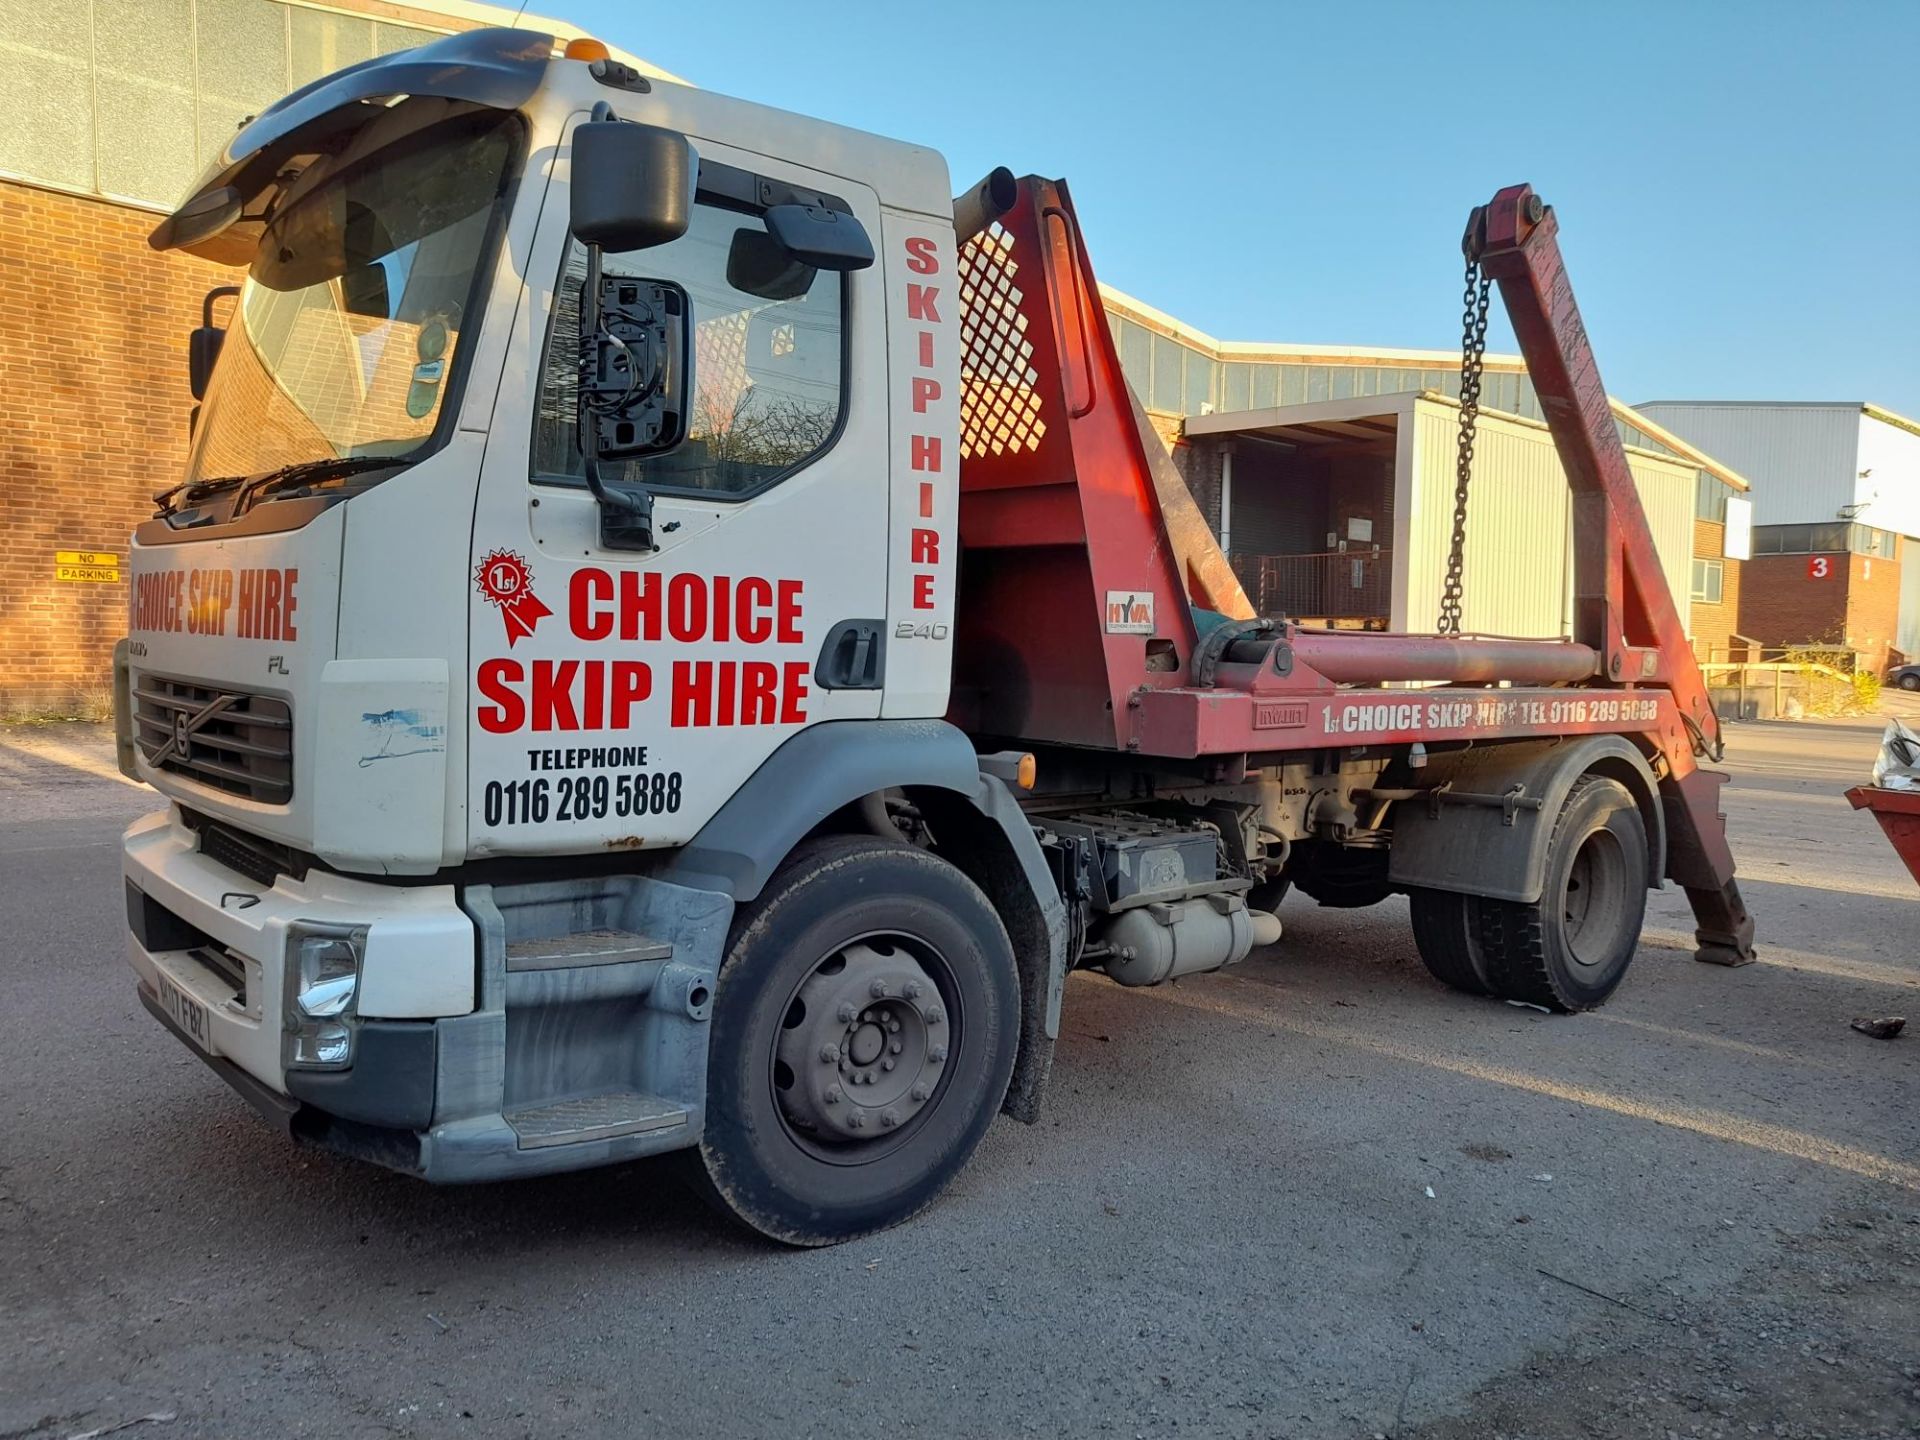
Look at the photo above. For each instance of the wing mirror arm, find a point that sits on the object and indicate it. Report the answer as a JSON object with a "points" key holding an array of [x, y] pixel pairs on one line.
{"points": [[203, 349]]}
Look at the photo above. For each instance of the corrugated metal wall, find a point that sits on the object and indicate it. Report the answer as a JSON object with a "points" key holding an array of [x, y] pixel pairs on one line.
{"points": [[1519, 563], [1800, 458]]}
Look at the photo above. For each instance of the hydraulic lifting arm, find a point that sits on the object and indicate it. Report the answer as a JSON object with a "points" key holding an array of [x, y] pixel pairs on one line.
{"points": [[1622, 607]]}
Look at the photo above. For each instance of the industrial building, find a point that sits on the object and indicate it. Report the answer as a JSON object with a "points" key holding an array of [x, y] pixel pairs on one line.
{"points": [[1328, 475], [1836, 497]]}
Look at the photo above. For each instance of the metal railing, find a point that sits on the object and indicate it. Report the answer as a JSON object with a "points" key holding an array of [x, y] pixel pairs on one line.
{"points": [[1751, 681], [1354, 584], [1742, 651]]}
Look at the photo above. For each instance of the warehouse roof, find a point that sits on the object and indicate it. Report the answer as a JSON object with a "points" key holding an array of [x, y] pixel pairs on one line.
{"points": [[1299, 354], [1366, 418], [1661, 438], [1865, 407]]}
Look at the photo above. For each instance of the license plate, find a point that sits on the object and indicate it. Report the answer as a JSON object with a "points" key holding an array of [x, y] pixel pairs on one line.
{"points": [[187, 1013]]}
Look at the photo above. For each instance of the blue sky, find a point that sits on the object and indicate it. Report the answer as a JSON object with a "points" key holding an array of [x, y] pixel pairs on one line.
{"points": [[1738, 184]]}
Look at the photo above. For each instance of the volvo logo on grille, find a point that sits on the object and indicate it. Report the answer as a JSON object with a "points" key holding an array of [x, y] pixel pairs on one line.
{"points": [[186, 724]]}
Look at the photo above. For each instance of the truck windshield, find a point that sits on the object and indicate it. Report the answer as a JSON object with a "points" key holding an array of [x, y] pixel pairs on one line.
{"points": [[349, 326]]}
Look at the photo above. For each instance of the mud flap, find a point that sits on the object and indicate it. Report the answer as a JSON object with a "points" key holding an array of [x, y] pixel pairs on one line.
{"points": [[1487, 832]]}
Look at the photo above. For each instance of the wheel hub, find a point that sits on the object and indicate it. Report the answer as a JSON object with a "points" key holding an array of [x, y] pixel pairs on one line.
{"points": [[864, 1043], [1594, 908]]}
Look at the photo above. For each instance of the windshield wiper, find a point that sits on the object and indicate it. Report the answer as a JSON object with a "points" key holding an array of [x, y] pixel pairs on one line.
{"points": [[333, 467], [191, 492]]}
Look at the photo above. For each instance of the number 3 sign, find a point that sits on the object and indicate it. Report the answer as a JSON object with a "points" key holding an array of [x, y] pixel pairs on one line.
{"points": [[1820, 567]]}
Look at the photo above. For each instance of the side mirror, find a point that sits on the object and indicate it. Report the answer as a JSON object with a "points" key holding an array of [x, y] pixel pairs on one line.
{"points": [[203, 344], [632, 185], [636, 384], [764, 268], [633, 386], [824, 239]]}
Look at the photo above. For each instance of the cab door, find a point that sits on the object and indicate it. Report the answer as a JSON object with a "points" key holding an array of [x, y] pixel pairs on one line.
{"points": [[617, 698]]}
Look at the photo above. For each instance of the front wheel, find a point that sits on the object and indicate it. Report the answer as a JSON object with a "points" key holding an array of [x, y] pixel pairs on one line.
{"points": [[865, 1021], [1570, 950], [1910, 682]]}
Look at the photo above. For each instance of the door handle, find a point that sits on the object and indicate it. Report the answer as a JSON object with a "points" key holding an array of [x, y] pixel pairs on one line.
{"points": [[854, 657]]}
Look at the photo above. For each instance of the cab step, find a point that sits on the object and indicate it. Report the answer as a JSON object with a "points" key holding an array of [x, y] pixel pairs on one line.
{"points": [[593, 1117], [586, 947]]}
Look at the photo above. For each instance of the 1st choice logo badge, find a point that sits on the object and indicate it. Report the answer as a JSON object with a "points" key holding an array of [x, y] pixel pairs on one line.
{"points": [[506, 583]]}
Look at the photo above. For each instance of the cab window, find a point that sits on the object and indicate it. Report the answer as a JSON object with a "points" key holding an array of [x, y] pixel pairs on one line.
{"points": [[769, 362]]}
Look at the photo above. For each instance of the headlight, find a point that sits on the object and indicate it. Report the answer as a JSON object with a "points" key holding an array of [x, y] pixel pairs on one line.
{"points": [[323, 977]]}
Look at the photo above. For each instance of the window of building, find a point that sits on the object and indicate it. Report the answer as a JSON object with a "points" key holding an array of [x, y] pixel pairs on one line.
{"points": [[130, 99], [1865, 540], [1136, 356], [1197, 394], [1236, 386], [1710, 497], [1167, 388], [769, 376], [1709, 580], [1823, 538]]}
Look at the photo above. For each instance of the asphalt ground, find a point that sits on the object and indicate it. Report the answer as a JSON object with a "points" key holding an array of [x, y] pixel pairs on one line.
{"points": [[1314, 1195]]}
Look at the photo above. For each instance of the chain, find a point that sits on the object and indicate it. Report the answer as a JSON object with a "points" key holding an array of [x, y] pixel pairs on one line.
{"points": [[1473, 351]]}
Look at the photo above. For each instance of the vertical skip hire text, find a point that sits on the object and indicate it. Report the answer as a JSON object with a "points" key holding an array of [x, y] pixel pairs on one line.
{"points": [[925, 454]]}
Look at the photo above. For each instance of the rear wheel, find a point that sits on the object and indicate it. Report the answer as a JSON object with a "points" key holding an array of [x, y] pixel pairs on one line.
{"points": [[864, 1027], [1570, 950], [1910, 682], [1446, 930]]}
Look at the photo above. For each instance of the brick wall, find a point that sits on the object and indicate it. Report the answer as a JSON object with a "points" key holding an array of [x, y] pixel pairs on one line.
{"points": [[1714, 626], [1781, 604], [93, 334], [1873, 607], [1857, 604]]}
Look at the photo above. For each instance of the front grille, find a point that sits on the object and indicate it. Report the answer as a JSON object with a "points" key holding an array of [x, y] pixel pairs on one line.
{"points": [[261, 861], [228, 739]]}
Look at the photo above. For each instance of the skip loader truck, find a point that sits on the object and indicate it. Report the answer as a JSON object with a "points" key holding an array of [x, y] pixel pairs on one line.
{"points": [[674, 636]]}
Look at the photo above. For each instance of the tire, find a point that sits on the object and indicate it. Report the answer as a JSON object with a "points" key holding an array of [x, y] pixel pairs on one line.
{"points": [[1910, 682], [1446, 931], [1570, 950], [796, 1031]]}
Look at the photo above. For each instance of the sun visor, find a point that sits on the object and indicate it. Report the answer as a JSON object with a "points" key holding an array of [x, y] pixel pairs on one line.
{"points": [[495, 67]]}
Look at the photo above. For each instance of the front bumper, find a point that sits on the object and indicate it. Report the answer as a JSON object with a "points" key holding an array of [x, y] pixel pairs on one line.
{"points": [[459, 1067]]}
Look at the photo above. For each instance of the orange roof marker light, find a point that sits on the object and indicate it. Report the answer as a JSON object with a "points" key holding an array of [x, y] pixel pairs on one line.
{"points": [[583, 48]]}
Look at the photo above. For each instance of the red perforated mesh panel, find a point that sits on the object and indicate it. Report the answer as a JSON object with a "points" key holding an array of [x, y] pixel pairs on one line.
{"points": [[1000, 410]]}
